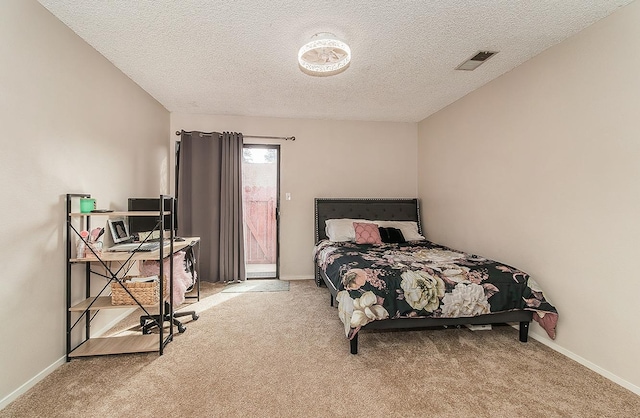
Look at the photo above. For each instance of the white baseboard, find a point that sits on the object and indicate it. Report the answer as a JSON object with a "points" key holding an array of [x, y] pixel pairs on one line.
{"points": [[296, 277], [31, 383], [573, 356], [48, 370]]}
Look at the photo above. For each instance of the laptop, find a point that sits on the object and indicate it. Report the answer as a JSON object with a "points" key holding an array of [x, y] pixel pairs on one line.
{"points": [[135, 246], [123, 240]]}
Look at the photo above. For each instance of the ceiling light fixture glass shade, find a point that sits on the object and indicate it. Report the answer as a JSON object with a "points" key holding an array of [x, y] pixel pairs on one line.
{"points": [[324, 55]]}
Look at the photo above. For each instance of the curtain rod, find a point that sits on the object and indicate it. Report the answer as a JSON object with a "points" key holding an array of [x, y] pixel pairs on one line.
{"points": [[286, 138]]}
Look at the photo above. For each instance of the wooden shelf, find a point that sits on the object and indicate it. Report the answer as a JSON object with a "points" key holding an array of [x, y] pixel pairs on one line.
{"points": [[120, 213], [142, 255], [102, 302], [118, 345]]}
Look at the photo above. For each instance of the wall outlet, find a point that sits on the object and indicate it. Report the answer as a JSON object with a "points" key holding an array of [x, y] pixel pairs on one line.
{"points": [[287, 196]]}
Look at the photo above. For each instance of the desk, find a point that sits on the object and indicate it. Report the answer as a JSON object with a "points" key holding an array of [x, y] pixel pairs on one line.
{"points": [[142, 255], [80, 313], [89, 306]]}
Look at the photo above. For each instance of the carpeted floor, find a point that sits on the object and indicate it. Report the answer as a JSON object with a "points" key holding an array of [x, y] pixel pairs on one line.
{"points": [[284, 354]]}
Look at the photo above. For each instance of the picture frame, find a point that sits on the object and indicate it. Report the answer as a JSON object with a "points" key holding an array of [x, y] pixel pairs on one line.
{"points": [[119, 230]]}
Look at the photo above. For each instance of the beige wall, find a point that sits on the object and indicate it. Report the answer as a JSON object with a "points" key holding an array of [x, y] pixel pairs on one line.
{"points": [[71, 122], [541, 169], [328, 159]]}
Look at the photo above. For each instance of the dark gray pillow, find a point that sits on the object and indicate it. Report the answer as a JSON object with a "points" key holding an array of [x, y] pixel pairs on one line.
{"points": [[391, 235]]}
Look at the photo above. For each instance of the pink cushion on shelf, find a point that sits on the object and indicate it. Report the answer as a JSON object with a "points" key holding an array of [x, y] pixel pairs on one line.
{"points": [[367, 233]]}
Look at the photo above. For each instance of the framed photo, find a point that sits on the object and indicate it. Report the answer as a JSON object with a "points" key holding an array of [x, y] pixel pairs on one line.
{"points": [[119, 230]]}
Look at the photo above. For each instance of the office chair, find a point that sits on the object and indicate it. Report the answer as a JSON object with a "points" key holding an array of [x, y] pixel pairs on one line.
{"points": [[184, 265]]}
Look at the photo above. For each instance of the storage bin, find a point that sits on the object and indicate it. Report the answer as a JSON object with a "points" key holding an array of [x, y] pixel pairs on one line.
{"points": [[146, 293]]}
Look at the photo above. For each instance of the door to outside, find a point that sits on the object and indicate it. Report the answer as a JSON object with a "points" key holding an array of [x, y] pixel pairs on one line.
{"points": [[261, 196]]}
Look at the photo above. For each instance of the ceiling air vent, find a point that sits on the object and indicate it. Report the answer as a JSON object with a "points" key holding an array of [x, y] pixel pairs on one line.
{"points": [[475, 61]]}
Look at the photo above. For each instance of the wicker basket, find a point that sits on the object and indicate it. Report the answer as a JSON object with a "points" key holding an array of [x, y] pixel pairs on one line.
{"points": [[146, 293]]}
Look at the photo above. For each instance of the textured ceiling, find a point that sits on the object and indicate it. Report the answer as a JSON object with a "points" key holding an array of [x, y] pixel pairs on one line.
{"points": [[240, 57]]}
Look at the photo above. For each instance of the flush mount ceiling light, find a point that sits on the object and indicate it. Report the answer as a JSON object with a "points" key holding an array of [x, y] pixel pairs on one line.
{"points": [[324, 55]]}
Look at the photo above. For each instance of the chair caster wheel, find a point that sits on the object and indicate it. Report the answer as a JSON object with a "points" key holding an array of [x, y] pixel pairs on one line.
{"points": [[181, 329], [194, 317]]}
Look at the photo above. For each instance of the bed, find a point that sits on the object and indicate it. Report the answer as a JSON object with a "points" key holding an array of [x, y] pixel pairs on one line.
{"points": [[393, 278]]}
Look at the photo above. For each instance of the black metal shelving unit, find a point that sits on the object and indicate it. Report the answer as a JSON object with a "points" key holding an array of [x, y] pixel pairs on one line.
{"points": [[82, 313]]}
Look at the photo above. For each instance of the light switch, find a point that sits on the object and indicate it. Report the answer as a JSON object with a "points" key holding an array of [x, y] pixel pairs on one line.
{"points": [[287, 196]]}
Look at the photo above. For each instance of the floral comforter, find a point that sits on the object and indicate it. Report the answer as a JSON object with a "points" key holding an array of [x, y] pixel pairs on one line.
{"points": [[423, 279]]}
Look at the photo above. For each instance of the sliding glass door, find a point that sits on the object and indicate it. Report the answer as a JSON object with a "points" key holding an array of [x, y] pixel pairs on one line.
{"points": [[261, 197]]}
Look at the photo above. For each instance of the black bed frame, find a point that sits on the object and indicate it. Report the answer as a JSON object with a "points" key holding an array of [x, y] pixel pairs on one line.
{"points": [[397, 210]]}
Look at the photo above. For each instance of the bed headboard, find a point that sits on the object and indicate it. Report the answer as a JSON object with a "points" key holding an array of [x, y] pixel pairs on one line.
{"points": [[372, 209]]}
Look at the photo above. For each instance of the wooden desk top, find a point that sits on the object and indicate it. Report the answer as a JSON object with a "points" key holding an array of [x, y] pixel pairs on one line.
{"points": [[141, 255]]}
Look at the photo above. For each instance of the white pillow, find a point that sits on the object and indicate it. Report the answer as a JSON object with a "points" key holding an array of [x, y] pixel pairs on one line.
{"points": [[341, 230], [409, 229]]}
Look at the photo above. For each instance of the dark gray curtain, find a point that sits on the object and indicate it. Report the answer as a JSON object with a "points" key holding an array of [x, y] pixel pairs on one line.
{"points": [[210, 202]]}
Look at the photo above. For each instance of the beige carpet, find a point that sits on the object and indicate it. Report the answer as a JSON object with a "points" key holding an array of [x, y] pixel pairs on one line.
{"points": [[283, 354]]}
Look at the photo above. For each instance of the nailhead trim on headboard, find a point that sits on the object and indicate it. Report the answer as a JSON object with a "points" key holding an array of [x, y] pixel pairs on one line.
{"points": [[364, 208]]}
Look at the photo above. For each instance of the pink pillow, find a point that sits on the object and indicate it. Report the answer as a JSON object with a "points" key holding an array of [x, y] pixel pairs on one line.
{"points": [[367, 233]]}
